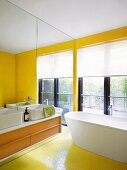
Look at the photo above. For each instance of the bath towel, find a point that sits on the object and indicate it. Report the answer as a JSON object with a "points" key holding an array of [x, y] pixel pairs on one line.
{"points": [[48, 111], [22, 103]]}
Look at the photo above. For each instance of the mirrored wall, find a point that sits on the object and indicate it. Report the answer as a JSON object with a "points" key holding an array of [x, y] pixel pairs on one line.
{"points": [[18, 34], [55, 68], [23, 39]]}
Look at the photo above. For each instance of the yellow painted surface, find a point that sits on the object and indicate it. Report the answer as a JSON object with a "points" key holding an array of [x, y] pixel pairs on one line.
{"points": [[26, 82], [69, 45], [104, 37], [7, 78], [75, 81], [60, 153]]}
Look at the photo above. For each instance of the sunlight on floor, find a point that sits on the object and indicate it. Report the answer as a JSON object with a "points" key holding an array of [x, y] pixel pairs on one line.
{"points": [[59, 153]]}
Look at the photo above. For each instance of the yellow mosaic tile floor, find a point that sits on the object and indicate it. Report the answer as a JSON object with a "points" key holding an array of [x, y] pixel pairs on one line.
{"points": [[59, 153]]}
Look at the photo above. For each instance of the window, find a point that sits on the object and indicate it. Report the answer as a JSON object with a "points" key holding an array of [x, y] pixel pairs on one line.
{"points": [[93, 94], [103, 79], [54, 74], [118, 96], [57, 92], [65, 95], [47, 91]]}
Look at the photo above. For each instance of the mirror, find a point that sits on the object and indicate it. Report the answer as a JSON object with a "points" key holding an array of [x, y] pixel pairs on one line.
{"points": [[17, 30], [55, 67], [23, 37], [17, 35], [49, 35]]}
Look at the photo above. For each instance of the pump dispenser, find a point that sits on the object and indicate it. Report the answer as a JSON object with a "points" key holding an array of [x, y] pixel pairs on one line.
{"points": [[26, 115]]}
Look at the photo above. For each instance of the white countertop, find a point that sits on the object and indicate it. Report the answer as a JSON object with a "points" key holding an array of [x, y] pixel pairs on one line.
{"points": [[27, 124]]}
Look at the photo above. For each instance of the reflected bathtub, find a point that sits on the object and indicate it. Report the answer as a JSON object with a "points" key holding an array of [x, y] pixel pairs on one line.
{"points": [[101, 134]]}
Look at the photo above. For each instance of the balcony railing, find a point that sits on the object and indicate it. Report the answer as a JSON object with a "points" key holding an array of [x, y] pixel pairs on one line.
{"points": [[119, 103]]}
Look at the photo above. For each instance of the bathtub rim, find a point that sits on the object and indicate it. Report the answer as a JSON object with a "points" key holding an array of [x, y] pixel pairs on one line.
{"points": [[96, 124]]}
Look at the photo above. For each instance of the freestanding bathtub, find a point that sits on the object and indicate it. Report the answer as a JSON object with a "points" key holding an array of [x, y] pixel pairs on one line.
{"points": [[101, 134]]}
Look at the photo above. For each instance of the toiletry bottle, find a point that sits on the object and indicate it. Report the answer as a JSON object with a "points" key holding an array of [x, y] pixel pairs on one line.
{"points": [[26, 115]]}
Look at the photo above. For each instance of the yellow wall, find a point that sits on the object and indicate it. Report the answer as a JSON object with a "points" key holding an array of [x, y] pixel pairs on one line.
{"points": [[26, 75], [7, 78], [69, 45], [104, 37], [26, 62]]}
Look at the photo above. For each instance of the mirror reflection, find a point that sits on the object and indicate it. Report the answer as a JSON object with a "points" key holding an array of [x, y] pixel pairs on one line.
{"points": [[24, 39], [54, 68]]}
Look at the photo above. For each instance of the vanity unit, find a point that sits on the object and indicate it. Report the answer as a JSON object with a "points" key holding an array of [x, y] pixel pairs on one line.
{"points": [[20, 137]]}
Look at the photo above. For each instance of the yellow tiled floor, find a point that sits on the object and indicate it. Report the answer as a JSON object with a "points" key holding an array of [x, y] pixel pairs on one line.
{"points": [[59, 153]]}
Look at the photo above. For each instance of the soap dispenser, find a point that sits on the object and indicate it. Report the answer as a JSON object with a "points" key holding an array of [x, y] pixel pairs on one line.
{"points": [[26, 115]]}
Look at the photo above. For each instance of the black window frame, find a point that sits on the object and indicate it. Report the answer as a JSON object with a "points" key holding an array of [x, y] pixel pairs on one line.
{"points": [[55, 91], [106, 94]]}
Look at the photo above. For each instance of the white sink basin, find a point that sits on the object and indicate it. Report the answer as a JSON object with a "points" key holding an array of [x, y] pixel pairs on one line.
{"points": [[22, 108], [36, 114], [35, 110], [9, 118]]}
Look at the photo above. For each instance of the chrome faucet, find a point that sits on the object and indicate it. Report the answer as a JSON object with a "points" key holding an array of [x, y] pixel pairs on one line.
{"points": [[46, 101], [110, 110]]}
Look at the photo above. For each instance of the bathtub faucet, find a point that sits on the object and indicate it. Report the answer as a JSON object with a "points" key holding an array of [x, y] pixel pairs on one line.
{"points": [[110, 110], [46, 101]]}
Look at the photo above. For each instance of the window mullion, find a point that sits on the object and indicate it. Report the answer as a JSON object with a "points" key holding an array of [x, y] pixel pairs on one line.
{"points": [[106, 95], [80, 92], [40, 91], [56, 90]]}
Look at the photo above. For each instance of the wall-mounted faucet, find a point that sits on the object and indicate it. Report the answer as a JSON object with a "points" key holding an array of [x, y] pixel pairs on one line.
{"points": [[46, 101], [110, 110]]}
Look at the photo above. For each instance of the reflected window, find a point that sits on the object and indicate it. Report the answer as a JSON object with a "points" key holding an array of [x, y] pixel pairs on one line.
{"points": [[65, 95], [57, 92], [48, 91]]}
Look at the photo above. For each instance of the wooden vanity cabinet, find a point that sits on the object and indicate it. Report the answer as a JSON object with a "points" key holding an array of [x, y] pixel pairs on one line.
{"points": [[45, 129], [14, 135], [13, 147], [16, 140]]}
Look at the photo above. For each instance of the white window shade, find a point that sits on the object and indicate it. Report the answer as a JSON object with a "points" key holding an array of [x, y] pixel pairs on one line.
{"points": [[91, 61], [118, 58], [55, 65], [103, 60]]}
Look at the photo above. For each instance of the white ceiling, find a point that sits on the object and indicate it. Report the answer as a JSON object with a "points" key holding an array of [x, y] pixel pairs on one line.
{"points": [[78, 18], [18, 30], [48, 35]]}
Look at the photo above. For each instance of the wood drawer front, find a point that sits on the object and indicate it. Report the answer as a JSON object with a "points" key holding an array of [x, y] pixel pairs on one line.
{"points": [[44, 134], [14, 135], [14, 147], [45, 125]]}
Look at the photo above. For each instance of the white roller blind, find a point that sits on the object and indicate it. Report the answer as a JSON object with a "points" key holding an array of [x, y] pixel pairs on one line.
{"points": [[91, 61], [55, 65], [103, 60], [118, 58]]}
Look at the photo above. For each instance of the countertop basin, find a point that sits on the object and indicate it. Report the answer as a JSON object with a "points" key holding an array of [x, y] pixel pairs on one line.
{"points": [[9, 118]]}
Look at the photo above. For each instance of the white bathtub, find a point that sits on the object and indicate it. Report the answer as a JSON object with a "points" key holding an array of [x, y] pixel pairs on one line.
{"points": [[101, 134]]}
